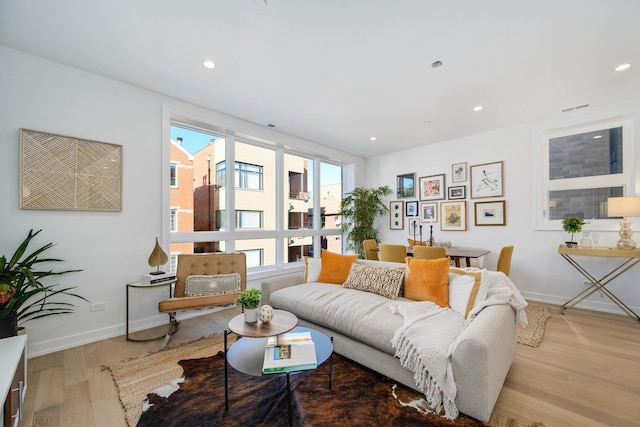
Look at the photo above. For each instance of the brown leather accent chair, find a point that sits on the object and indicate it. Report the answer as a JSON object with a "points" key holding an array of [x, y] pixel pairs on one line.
{"points": [[201, 264]]}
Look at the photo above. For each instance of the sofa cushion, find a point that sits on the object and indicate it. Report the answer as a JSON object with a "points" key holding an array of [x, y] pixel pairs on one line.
{"points": [[466, 289], [213, 284], [427, 280], [312, 268], [379, 280], [364, 316], [335, 267]]}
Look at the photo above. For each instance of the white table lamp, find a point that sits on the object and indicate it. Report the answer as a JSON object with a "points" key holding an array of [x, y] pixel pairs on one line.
{"points": [[624, 207]]}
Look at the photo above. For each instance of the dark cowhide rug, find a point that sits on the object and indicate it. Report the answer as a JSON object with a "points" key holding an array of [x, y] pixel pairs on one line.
{"points": [[359, 397]]}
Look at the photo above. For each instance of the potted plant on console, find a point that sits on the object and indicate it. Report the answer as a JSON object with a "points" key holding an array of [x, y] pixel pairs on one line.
{"points": [[249, 299], [23, 295], [572, 225]]}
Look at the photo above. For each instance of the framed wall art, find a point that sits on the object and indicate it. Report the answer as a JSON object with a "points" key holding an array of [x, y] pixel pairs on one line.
{"points": [[459, 172], [406, 185], [429, 212], [457, 193], [396, 215], [411, 208], [486, 180], [490, 213], [453, 216], [66, 173], [432, 187], [414, 227]]}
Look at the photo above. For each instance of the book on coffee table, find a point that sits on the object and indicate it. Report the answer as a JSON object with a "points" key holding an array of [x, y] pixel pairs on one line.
{"points": [[298, 354], [289, 338]]}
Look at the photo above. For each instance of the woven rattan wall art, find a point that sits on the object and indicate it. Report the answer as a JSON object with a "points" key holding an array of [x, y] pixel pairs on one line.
{"points": [[66, 173]]}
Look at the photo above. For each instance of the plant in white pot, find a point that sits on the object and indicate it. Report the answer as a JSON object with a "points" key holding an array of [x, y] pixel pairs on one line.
{"points": [[572, 225], [249, 299]]}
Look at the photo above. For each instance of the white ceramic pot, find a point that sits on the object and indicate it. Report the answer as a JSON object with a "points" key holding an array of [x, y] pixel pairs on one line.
{"points": [[250, 315]]}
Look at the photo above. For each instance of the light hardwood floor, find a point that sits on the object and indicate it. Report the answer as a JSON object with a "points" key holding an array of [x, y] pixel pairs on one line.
{"points": [[586, 372]]}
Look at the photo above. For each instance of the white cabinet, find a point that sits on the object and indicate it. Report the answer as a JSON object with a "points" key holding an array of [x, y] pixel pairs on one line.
{"points": [[13, 378]]}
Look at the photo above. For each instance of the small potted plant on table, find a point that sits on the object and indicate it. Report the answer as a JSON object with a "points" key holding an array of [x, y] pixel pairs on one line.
{"points": [[572, 225], [249, 299]]}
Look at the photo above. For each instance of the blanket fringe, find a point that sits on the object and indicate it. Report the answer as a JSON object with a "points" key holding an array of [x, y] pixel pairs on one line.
{"points": [[425, 382]]}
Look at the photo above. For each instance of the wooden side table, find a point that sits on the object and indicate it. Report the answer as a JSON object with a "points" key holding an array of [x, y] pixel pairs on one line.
{"points": [[139, 285]]}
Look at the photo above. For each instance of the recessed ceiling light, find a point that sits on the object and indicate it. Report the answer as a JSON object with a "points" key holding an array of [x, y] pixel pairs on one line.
{"points": [[597, 137], [622, 67], [373, 138], [209, 64], [477, 108]]}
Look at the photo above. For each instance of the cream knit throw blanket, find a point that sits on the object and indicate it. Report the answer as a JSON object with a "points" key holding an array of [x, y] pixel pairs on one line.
{"points": [[426, 340]]}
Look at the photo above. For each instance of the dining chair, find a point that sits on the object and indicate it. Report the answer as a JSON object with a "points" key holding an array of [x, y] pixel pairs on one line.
{"points": [[504, 260], [370, 246], [429, 252], [392, 253]]}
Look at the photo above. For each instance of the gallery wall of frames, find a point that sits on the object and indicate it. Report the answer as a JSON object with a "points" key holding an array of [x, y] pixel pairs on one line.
{"points": [[446, 199]]}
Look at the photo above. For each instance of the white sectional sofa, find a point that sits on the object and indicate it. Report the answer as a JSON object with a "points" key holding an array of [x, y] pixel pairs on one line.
{"points": [[362, 326]]}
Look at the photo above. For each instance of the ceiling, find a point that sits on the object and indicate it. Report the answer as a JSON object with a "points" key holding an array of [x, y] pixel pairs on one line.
{"points": [[339, 72]]}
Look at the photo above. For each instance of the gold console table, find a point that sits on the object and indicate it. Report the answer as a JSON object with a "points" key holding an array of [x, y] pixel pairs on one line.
{"points": [[629, 259]]}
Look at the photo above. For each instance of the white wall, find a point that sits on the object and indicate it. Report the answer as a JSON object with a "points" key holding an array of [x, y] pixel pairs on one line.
{"points": [[111, 248], [537, 269]]}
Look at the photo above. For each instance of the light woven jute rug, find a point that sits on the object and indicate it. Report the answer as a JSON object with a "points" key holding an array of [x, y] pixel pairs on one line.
{"points": [[138, 377], [532, 334]]}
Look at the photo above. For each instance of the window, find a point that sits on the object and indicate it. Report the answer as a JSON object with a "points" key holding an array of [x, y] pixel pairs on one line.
{"points": [[247, 208], [248, 176], [174, 175], [173, 220], [248, 219], [255, 257], [583, 167]]}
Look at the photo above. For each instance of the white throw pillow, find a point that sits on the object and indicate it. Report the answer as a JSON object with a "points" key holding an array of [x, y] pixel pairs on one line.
{"points": [[466, 289], [214, 284], [312, 267]]}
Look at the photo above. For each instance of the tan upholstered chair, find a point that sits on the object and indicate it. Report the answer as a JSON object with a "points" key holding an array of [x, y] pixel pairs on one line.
{"points": [[504, 260], [201, 264], [392, 253], [370, 246], [429, 252]]}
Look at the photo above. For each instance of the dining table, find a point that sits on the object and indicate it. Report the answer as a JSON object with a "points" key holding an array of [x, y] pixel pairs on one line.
{"points": [[458, 253]]}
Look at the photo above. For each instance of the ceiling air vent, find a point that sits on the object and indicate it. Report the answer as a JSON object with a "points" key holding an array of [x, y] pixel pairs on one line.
{"points": [[577, 107]]}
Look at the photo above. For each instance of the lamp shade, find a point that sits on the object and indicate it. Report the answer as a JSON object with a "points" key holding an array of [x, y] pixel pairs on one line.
{"points": [[623, 206]]}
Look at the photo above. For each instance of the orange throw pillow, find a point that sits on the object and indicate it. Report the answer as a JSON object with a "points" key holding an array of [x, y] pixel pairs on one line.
{"points": [[427, 280], [336, 267]]}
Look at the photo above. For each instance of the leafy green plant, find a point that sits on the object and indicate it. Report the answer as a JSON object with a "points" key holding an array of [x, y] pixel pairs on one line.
{"points": [[21, 288], [572, 225], [359, 210], [249, 298]]}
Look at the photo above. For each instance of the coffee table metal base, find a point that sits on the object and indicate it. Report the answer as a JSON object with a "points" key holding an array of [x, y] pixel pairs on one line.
{"points": [[247, 355]]}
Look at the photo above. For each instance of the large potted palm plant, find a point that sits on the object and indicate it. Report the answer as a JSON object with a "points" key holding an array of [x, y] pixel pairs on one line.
{"points": [[359, 210], [23, 294]]}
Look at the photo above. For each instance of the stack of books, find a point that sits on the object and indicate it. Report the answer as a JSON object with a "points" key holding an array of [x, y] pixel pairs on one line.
{"points": [[152, 279], [294, 351]]}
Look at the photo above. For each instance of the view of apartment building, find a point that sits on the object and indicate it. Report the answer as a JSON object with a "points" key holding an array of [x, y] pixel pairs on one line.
{"points": [[199, 201]]}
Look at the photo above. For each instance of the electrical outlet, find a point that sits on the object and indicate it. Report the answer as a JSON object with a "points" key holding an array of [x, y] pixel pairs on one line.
{"points": [[98, 306]]}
